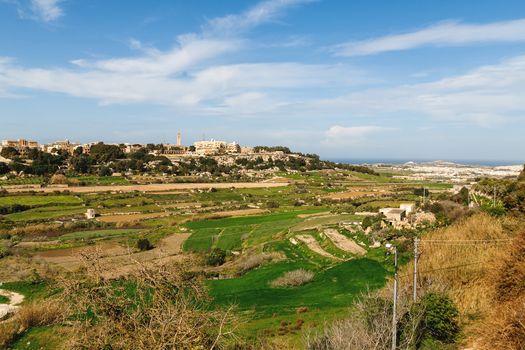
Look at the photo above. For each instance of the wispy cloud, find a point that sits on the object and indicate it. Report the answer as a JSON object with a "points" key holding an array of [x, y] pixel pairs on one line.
{"points": [[187, 52], [261, 13], [38, 10], [47, 10], [441, 34], [484, 96]]}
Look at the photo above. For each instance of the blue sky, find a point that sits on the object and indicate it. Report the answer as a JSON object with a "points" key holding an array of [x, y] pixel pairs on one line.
{"points": [[347, 79]]}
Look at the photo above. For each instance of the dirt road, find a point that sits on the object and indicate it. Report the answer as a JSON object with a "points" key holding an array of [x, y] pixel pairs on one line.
{"points": [[157, 188], [15, 299]]}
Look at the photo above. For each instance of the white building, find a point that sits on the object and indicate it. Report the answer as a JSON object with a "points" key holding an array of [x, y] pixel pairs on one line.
{"points": [[210, 147], [408, 207]]}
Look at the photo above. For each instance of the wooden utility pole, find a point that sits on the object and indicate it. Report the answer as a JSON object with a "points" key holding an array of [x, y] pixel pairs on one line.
{"points": [[416, 256], [394, 313]]}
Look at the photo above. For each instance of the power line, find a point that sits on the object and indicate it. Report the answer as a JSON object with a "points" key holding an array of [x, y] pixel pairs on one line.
{"points": [[449, 267]]}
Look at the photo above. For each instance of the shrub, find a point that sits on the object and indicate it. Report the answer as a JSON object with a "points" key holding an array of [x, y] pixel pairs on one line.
{"points": [[58, 179], [217, 257], [4, 251], [256, 260], [155, 307], [440, 318], [104, 171], [293, 278], [144, 244], [272, 205]]}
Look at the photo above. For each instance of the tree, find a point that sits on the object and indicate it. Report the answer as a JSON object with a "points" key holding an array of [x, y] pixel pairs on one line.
{"points": [[4, 168], [104, 171], [217, 257], [144, 244], [82, 163], [103, 153], [9, 152]]}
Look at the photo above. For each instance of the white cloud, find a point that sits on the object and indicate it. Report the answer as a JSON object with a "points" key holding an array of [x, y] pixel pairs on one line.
{"points": [[218, 89], [187, 53], [442, 34], [485, 96], [47, 10], [338, 135], [263, 12]]}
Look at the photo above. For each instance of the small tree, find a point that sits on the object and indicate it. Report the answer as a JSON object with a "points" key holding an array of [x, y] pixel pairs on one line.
{"points": [[144, 244], [216, 257], [104, 171]]}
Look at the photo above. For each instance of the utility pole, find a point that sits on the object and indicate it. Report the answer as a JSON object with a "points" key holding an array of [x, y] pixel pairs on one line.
{"points": [[394, 316], [416, 256], [494, 200]]}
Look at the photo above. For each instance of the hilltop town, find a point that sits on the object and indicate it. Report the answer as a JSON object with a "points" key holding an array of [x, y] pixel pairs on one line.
{"points": [[203, 159]]}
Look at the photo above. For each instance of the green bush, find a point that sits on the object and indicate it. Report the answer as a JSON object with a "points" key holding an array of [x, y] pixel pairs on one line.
{"points": [[144, 244], [430, 323], [441, 317], [217, 257], [272, 205]]}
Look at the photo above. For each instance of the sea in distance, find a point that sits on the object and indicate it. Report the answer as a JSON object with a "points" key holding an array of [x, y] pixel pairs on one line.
{"points": [[471, 162]]}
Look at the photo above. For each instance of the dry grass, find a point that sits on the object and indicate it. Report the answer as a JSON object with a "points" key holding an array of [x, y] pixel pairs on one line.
{"points": [[252, 261], [504, 327], [293, 278], [40, 313], [462, 267], [8, 333], [369, 326]]}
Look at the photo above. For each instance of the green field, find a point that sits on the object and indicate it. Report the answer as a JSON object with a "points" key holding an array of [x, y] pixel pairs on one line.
{"points": [[333, 287], [46, 213], [228, 233], [39, 200], [84, 235]]}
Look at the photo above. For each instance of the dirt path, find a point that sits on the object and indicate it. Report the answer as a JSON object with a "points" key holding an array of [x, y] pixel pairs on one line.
{"points": [[15, 299], [149, 188], [314, 246], [344, 243]]}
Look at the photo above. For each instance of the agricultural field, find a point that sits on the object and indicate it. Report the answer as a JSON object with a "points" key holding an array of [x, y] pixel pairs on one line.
{"points": [[264, 232]]}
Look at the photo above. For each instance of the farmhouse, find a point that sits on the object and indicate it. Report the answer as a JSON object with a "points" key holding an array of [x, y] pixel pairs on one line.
{"points": [[393, 214], [408, 207]]}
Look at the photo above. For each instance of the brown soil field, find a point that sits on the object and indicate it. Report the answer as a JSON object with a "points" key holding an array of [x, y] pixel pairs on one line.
{"points": [[151, 187], [114, 259], [314, 246], [344, 243], [131, 217]]}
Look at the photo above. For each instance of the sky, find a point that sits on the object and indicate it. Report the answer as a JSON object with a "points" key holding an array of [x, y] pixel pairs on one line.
{"points": [[344, 79]]}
